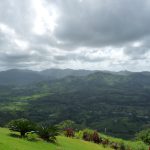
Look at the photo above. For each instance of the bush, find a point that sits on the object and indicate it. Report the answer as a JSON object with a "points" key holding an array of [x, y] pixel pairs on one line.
{"points": [[87, 134], [122, 146], [105, 142], [144, 136], [32, 137], [115, 146], [67, 124], [90, 135], [48, 133], [139, 146], [79, 134], [69, 132], [21, 125], [96, 138]]}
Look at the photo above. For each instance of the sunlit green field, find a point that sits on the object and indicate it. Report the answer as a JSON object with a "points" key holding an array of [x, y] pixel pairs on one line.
{"points": [[10, 143]]}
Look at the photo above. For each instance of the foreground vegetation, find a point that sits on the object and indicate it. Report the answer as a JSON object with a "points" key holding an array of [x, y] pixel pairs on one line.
{"points": [[63, 136], [8, 142]]}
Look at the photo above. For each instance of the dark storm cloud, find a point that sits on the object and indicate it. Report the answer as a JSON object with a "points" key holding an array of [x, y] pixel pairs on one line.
{"points": [[97, 23], [136, 52]]}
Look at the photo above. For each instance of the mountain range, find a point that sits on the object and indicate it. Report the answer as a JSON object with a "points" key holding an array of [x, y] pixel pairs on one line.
{"points": [[21, 77], [116, 101]]}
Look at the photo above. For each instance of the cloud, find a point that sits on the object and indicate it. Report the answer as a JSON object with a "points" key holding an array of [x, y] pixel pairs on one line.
{"points": [[102, 23], [87, 34]]}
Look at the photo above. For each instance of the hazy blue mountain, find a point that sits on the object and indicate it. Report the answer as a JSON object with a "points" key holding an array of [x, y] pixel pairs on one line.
{"points": [[61, 73], [21, 77]]}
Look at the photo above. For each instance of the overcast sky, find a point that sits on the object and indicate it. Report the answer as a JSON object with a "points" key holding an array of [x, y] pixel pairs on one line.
{"points": [[78, 34]]}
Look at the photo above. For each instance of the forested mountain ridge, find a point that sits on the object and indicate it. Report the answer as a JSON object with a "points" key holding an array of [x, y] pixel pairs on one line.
{"points": [[24, 77], [117, 101]]}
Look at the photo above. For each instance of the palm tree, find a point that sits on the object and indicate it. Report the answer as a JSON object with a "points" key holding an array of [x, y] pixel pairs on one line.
{"points": [[48, 133]]}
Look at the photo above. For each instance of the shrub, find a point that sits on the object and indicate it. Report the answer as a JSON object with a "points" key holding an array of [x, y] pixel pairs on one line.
{"points": [[32, 137], [87, 134], [105, 142], [48, 133], [96, 138], [67, 124], [21, 125], [115, 146], [122, 146], [69, 132], [144, 136], [90, 135], [79, 134]]}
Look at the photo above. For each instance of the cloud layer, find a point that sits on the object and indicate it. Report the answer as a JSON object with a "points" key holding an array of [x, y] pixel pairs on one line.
{"points": [[87, 34]]}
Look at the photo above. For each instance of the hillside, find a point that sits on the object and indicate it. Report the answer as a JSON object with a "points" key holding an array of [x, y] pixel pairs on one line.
{"points": [[10, 143], [117, 101], [25, 77]]}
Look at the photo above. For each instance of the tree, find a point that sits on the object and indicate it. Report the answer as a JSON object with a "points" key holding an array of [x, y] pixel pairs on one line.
{"points": [[21, 125], [67, 124], [48, 133], [144, 136]]}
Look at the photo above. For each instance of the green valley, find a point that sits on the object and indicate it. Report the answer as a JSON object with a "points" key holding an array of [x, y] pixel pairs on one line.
{"points": [[118, 102]]}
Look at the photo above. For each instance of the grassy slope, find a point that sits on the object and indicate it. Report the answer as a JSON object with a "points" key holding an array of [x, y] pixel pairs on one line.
{"points": [[10, 143]]}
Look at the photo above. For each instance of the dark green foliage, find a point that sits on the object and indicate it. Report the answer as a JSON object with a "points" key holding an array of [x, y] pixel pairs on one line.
{"points": [[48, 133], [67, 124], [32, 137], [144, 136], [21, 125], [119, 102], [122, 146]]}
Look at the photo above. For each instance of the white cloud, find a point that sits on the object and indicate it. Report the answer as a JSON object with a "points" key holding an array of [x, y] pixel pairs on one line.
{"points": [[87, 34], [45, 19]]}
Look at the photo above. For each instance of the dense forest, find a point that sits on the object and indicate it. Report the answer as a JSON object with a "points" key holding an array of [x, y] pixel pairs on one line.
{"points": [[114, 102]]}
